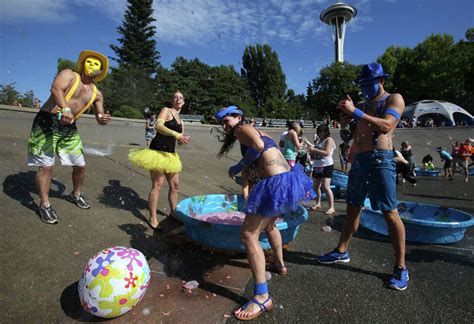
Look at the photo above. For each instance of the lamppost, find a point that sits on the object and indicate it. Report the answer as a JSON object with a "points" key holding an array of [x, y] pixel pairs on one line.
{"points": [[338, 15]]}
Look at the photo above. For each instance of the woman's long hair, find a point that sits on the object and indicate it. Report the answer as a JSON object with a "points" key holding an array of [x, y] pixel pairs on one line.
{"points": [[228, 139]]}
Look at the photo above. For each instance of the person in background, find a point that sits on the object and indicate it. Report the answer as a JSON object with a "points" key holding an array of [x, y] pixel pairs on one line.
{"points": [[403, 167], [427, 162], [407, 153], [150, 131], [455, 153], [281, 142], [465, 154], [323, 165], [448, 162], [344, 156], [37, 103], [292, 144]]}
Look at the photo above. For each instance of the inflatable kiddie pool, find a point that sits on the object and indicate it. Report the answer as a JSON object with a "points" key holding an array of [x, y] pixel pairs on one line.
{"points": [[215, 220], [421, 172], [339, 180], [424, 223]]}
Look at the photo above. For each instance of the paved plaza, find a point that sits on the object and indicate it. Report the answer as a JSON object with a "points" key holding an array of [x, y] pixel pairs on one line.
{"points": [[43, 263]]}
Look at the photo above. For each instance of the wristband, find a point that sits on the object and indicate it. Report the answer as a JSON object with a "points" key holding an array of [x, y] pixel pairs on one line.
{"points": [[357, 114], [63, 110]]}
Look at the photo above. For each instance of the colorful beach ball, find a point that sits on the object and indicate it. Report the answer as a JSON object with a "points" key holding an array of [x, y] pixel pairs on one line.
{"points": [[114, 281]]}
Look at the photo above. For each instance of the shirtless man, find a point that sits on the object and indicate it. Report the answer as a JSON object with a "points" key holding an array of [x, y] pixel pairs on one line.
{"points": [[373, 171], [54, 129]]}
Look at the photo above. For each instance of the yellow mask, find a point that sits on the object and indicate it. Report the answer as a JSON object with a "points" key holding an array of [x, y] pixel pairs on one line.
{"points": [[92, 66]]}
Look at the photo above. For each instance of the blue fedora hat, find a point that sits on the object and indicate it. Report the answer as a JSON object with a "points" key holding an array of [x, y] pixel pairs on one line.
{"points": [[371, 71]]}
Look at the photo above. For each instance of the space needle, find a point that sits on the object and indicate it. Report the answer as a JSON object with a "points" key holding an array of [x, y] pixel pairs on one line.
{"points": [[338, 15]]}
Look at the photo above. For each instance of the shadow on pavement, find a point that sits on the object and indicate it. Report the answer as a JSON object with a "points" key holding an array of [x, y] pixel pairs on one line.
{"points": [[420, 255], [20, 186], [72, 306], [180, 257], [118, 196], [304, 258]]}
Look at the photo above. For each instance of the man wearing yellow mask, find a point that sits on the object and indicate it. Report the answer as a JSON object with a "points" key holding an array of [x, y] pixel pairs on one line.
{"points": [[54, 129]]}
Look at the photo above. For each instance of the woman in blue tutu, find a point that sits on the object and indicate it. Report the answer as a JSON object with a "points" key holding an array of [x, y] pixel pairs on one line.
{"points": [[278, 191], [161, 159]]}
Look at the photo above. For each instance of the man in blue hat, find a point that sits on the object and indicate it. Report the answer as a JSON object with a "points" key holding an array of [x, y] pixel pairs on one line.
{"points": [[373, 172]]}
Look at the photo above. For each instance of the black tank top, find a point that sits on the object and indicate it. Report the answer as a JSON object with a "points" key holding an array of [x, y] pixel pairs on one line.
{"points": [[166, 143]]}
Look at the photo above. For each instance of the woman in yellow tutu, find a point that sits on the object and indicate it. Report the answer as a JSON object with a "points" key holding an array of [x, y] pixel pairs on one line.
{"points": [[161, 159]]}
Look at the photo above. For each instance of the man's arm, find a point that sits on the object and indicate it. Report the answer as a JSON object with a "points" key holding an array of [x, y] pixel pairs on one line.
{"points": [[394, 109], [101, 116], [61, 83]]}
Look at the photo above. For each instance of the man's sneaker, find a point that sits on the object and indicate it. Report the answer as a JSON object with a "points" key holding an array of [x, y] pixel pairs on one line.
{"points": [[334, 257], [399, 280], [48, 215], [80, 201]]}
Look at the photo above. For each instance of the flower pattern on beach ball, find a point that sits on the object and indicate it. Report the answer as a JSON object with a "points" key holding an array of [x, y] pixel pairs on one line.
{"points": [[114, 281]]}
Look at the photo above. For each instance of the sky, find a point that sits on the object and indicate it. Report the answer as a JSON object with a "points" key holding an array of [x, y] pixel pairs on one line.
{"points": [[35, 33]]}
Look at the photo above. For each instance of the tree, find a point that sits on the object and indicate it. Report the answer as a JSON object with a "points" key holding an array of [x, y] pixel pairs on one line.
{"points": [[27, 99], [8, 94], [263, 72], [206, 88], [66, 64], [138, 46], [333, 84], [131, 83], [470, 35], [129, 87], [127, 112]]}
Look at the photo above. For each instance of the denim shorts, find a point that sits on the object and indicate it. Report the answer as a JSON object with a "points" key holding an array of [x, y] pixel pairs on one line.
{"points": [[373, 174]]}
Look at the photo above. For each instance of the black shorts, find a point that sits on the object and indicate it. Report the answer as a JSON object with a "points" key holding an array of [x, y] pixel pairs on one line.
{"points": [[447, 163], [323, 172]]}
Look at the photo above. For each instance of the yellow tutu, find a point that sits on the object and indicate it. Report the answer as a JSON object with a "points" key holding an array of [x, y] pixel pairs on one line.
{"points": [[155, 160]]}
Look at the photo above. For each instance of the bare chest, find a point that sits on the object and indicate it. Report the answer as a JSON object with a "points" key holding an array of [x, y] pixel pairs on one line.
{"points": [[81, 97]]}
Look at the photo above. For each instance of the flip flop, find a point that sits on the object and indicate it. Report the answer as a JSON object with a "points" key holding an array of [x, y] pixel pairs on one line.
{"points": [[327, 212], [279, 269], [155, 228], [262, 310]]}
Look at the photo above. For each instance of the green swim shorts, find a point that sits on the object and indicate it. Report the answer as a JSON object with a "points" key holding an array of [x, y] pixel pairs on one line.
{"points": [[48, 138]]}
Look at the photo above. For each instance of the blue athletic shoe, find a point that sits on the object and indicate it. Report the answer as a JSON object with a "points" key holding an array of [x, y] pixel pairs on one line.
{"points": [[334, 257], [399, 280]]}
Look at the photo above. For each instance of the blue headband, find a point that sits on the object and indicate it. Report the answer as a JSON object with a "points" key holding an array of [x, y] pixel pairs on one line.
{"points": [[220, 115]]}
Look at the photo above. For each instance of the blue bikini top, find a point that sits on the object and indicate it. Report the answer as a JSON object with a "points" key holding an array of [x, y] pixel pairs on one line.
{"points": [[268, 143]]}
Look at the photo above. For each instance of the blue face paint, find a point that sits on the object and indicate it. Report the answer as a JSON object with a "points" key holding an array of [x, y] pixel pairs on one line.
{"points": [[370, 90]]}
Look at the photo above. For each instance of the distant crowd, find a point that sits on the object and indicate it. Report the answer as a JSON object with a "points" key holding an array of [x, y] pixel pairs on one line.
{"points": [[406, 122]]}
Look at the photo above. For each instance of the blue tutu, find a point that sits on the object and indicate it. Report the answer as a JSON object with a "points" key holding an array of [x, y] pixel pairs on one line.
{"points": [[281, 193]]}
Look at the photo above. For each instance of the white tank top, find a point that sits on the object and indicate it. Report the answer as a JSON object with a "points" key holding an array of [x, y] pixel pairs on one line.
{"points": [[324, 160]]}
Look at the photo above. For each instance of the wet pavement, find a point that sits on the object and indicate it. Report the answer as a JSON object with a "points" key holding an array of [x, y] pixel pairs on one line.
{"points": [[42, 263]]}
